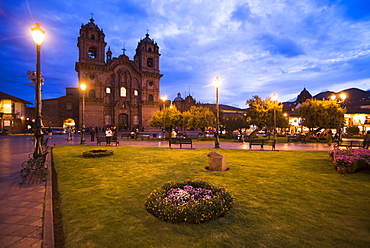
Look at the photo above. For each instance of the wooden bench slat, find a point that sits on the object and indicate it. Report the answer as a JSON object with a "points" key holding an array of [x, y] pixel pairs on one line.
{"points": [[261, 143], [181, 141], [349, 144], [101, 139]]}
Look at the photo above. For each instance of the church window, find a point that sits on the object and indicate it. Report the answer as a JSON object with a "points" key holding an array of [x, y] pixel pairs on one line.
{"points": [[108, 120], [150, 98], [150, 49], [68, 105], [92, 52], [136, 120], [123, 91], [92, 76], [107, 90], [136, 93], [92, 93], [150, 83], [150, 62], [92, 37]]}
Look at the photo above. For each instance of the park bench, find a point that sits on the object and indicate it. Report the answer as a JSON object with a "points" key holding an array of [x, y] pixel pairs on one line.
{"points": [[35, 166], [349, 144], [192, 136], [125, 135], [102, 139], [142, 136], [293, 138], [238, 138], [180, 141], [262, 143]]}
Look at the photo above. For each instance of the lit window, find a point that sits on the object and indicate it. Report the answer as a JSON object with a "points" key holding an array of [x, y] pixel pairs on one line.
{"points": [[107, 90], [123, 91], [136, 93]]}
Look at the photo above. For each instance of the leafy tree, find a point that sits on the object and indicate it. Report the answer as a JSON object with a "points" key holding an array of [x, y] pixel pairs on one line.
{"points": [[317, 115], [261, 113], [199, 117], [232, 123], [167, 118], [353, 130]]}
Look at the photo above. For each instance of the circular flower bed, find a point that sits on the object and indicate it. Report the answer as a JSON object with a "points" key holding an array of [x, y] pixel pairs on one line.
{"points": [[189, 201], [97, 153]]}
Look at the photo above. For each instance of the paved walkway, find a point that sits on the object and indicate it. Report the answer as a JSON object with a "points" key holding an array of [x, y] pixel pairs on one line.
{"points": [[22, 208]]}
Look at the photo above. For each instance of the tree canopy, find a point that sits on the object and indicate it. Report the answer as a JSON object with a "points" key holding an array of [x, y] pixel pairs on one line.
{"points": [[321, 114], [167, 118], [232, 123], [261, 113], [199, 117]]}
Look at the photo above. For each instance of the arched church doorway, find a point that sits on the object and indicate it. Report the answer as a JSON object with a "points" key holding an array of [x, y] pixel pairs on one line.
{"points": [[69, 123], [123, 122]]}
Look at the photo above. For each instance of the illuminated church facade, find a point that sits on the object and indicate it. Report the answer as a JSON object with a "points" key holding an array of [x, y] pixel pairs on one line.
{"points": [[119, 93]]}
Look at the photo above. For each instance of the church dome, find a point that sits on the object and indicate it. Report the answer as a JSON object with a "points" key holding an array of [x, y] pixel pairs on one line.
{"points": [[178, 98]]}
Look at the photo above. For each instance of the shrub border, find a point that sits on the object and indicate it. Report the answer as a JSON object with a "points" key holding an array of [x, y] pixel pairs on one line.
{"points": [[97, 153], [194, 213]]}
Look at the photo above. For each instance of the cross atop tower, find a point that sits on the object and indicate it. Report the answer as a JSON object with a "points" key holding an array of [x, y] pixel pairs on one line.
{"points": [[124, 48], [92, 17]]}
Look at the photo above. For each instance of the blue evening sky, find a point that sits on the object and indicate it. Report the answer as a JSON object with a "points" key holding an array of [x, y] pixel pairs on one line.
{"points": [[256, 47]]}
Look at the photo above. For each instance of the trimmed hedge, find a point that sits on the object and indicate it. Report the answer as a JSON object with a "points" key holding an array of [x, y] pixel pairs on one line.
{"points": [[192, 212], [97, 153]]}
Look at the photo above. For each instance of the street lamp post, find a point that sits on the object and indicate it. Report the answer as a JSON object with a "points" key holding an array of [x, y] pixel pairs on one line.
{"points": [[164, 97], [38, 37], [274, 99], [217, 138], [83, 88], [341, 103]]}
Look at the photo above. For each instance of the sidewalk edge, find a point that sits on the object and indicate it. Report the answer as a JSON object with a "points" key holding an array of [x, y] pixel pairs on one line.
{"points": [[48, 227]]}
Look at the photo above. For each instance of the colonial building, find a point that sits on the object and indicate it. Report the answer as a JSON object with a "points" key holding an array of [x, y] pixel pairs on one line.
{"points": [[119, 92], [356, 102], [62, 111], [14, 114]]}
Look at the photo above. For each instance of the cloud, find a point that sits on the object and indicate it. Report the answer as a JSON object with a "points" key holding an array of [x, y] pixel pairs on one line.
{"points": [[280, 45], [255, 47]]}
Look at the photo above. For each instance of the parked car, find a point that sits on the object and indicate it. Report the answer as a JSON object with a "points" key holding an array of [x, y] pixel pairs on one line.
{"points": [[4, 131]]}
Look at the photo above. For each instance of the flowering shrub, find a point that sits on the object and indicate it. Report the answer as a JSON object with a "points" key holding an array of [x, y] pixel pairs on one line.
{"points": [[188, 195], [97, 153], [350, 160], [189, 201]]}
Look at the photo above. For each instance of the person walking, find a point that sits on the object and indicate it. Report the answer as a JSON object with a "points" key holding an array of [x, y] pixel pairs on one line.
{"points": [[92, 134], [329, 137], [366, 142], [69, 133], [108, 134]]}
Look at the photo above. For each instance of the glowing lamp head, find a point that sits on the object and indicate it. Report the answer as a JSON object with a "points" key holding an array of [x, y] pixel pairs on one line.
{"points": [[217, 82], [38, 34], [343, 96], [164, 97], [333, 97], [83, 87]]}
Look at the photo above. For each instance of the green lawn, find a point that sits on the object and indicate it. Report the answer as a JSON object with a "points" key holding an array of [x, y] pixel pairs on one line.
{"points": [[282, 199]]}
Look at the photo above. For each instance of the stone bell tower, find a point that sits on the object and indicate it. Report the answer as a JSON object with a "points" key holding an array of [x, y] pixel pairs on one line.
{"points": [[147, 55], [91, 44]]}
